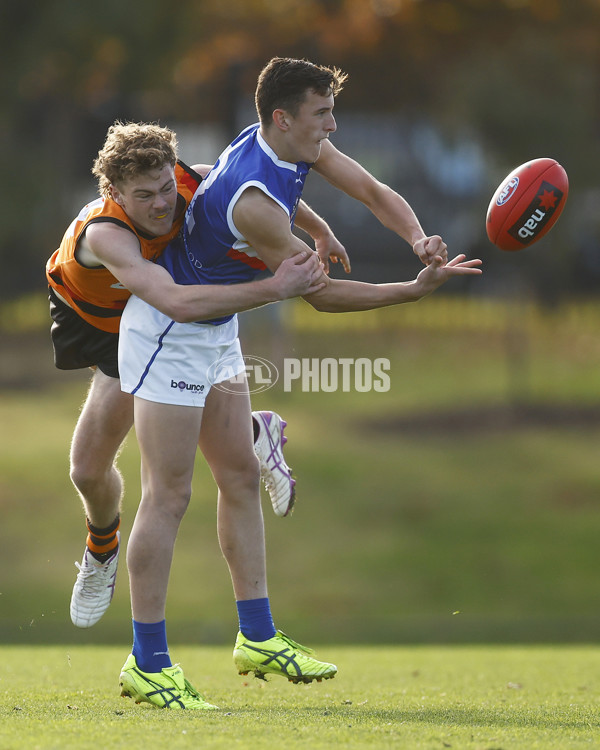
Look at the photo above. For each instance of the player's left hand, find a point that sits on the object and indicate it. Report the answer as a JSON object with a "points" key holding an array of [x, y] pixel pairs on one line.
{"points": [[428, 248], [329, 248], [439, 271]]}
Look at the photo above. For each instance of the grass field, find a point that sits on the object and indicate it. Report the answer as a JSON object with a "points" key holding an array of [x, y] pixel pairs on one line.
{"points": [[472, 698], [457, 510], [407, 512]]}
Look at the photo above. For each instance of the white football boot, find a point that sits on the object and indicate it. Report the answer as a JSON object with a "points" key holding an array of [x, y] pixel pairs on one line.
{"points": [[275, 472], [94, 588]]}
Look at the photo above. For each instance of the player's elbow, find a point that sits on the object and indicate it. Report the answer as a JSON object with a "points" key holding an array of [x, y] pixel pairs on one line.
{"points": [[323, 300], [178, 311], [183, 314], [320, 304], [192, 309]]}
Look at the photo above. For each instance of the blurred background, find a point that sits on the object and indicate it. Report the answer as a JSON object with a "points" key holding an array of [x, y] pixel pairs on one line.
{"points": [[462, 504]]}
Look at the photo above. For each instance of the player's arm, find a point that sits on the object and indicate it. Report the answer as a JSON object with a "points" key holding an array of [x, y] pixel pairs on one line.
{"points": [[389, 207], [327, 244], [266, 227], [118, 250]]}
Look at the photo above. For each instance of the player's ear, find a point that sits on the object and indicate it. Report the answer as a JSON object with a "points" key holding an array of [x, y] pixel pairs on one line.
{"points": [[280, 118], [115, 194]]}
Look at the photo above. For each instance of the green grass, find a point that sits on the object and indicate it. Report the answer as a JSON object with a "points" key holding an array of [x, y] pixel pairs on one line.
{"points": [[407, 536], [478, 698], [394, 531], [391, 535]]}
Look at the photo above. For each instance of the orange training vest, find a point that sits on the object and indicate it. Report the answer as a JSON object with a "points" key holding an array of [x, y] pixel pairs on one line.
{"points": [[94, 293]]}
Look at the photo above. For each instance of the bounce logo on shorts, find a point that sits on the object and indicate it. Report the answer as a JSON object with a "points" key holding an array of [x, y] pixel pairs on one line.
{"points": [[227, 373], [183, 386]]}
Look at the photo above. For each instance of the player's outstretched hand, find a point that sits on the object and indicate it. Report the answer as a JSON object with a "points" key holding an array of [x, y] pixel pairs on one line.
{"points": [[300, 274], [439, 271]]}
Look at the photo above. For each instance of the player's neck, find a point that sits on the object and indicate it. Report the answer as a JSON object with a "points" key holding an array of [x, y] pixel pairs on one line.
{"points": [[277, 144]]}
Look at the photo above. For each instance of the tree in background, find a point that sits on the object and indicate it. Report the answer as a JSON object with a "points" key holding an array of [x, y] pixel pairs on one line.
{"points": [[519, 76]]}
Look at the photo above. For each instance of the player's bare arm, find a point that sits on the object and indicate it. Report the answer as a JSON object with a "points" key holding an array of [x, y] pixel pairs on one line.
{"points": [[389, 207], [266, 227], [118, 250]]}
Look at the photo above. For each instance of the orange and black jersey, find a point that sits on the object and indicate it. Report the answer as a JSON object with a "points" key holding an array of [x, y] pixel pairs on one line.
{"points": [[94, 293]]}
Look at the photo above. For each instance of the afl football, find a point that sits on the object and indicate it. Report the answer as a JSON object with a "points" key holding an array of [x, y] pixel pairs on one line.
{"points": [[527, 204]]}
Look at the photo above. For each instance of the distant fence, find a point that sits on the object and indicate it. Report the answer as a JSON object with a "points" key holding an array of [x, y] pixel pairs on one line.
{"points": [[437, 313], [25, 314], [449, 313]]}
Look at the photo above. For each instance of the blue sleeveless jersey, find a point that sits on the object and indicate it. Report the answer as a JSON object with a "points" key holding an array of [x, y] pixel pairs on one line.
{"points": [[210, 249]]}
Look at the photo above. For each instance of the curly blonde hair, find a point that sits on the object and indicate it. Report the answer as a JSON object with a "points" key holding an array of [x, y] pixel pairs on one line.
{"points": [[132, 149]]}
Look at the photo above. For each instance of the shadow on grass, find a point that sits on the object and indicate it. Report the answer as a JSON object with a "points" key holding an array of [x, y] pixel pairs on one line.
{"points": [[527, 717]]}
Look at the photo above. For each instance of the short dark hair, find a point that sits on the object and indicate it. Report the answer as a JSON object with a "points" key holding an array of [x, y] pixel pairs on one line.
{"points": [[284, 82]]}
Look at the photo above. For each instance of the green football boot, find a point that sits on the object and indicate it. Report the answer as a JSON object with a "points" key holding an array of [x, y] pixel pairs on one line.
{"points": [[280, 655], [165, 689]]}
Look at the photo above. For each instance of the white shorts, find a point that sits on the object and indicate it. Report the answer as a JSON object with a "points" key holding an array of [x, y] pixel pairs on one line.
{"points": [[175, 363]]}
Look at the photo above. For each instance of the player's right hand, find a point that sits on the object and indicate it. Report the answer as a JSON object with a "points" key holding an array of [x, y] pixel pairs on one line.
{"points": [[428, 248], [300, 274]]}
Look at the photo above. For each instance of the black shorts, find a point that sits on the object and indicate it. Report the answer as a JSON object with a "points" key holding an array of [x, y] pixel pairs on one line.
{"points": [[78, 344]]}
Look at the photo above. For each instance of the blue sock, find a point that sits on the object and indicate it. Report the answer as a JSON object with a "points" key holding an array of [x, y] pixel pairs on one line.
{"points": [[256, 621], [150, 646]]}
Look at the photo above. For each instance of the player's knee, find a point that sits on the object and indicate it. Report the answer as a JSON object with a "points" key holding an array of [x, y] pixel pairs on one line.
{"points": [[240, 478], [88, 477], [170, 499], [249, 473], [178, 502]]}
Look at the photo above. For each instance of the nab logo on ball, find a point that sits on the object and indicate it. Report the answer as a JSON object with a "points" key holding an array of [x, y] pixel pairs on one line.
{"points": [[538, 214], [527, 204]]}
